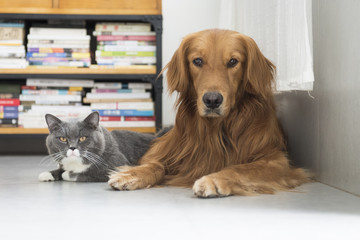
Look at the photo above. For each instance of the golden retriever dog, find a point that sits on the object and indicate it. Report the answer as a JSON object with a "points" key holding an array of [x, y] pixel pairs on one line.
{"points": [[226, 139]]}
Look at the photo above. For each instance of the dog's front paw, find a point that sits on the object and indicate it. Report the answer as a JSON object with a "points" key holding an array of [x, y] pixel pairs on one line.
{"points": [[46, 177], [124, 178], [208, 186]]}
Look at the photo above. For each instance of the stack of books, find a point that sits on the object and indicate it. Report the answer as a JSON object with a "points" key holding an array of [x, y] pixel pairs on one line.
{"points": [[66, 47], [12, 49], [124, 44], [9, 104], [60, 97], [122, 104]]}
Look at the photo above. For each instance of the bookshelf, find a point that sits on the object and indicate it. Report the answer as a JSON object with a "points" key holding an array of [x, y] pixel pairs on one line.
{"points": [[90, 12]]}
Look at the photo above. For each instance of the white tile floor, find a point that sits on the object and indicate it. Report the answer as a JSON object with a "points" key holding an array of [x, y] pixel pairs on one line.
{"points": [[65, 210]]}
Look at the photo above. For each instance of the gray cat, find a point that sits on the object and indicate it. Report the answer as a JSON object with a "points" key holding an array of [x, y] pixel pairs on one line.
{"points": [[87, 152]]}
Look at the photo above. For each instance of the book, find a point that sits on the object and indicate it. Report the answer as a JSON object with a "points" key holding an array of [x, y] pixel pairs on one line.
{"points": [[119, 48], [42, 42], [13, 63], [57, 37], [50, 98], [33, 47], [123, 37], [105, 90], [120, 33], [100, 53], [11, 33], [60, 63], [124, 105], [52, 82], [126, 112], [83, 49], [58, 55], [111, 100], [128, 124], [118, 95], [49, 92], [125, 61], [9, 95], [127, 118], [123, 26], [8, 108], [9, 115], [10, 102], [56, 31], [12, 121], [116, 85], [11, 42], [126, 43]]}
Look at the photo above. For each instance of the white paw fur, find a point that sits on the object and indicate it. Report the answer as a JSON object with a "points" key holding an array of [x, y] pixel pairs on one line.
{"points": [[46, 177], [66, 177]]}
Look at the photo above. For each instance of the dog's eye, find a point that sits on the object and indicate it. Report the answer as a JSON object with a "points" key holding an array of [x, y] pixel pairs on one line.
{"points": [[198, 62], [232, 63], [62, 139]]}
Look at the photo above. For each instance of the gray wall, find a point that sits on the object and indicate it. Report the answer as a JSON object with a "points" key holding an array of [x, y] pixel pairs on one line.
{"points": [[324, 133]]}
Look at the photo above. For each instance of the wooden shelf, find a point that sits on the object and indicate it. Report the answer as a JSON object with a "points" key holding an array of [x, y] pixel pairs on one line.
{"points": [[45, 130], [73, 70]]}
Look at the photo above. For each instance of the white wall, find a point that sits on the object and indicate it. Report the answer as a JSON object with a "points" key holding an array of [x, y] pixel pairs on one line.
{"points": [[324, 133], [182, 17]]}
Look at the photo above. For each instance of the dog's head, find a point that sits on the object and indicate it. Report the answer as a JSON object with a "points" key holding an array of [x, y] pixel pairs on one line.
{"points": [[218, 67]]}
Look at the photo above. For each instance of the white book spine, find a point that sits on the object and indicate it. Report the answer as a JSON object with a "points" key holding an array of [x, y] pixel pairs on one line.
{"points": [[57, 37], [118, 95], [125, 106], [128, 124], [57, 31], [59, 82], [70, 98]]}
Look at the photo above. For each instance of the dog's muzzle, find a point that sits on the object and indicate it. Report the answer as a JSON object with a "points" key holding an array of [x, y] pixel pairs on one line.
{"points": [[212, 101]]}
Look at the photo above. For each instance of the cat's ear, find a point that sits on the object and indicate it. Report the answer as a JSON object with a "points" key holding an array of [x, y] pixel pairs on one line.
{"points": [[52, 122], [92, 120]]}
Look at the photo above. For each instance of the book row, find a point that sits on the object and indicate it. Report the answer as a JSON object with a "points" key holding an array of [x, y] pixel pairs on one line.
{"points": [[116, 44], [119, 104]]}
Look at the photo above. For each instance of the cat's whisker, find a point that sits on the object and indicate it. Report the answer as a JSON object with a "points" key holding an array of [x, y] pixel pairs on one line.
{"points": [[50, 158], [94, 158]]}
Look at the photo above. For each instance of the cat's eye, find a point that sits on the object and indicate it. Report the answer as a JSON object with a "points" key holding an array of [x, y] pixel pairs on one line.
{"points": [[82, 139], [62, 139]]}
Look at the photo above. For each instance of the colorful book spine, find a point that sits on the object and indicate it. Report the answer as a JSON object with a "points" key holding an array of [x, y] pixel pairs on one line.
{"points": [[135, 113], [116, 38], [99, 53], [57, 55], [10, 102], [105, 90]]}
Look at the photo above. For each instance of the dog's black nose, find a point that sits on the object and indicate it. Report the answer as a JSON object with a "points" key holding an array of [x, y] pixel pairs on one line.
{"points": [[212, 99]]}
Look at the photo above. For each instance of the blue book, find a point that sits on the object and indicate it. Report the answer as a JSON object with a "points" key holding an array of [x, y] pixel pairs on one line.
{"points": [[129, 113], [12, 25], [6, 115], [9, 108]]}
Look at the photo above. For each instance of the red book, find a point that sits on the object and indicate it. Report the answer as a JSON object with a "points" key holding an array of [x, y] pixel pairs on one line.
{"points": [[10, 102], [123, 37], [140, 118], [106, 119], [28, 87]]}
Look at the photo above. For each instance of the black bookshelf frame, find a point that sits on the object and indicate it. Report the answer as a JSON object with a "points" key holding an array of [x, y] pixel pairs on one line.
{"points": [[155, 79]]}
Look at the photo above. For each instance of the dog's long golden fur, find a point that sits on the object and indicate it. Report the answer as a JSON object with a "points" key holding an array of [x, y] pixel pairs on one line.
{"points": [[226, 139]]}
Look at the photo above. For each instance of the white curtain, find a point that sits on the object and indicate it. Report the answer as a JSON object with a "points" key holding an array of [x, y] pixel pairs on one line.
{"points": [[283, 31]]}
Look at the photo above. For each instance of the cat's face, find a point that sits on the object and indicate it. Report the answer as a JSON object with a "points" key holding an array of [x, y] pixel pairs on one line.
{"points": [[77, 140]]}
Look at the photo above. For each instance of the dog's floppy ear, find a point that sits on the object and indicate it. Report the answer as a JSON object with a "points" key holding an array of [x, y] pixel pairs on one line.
{"points": [[259, 71], [178, 75]]}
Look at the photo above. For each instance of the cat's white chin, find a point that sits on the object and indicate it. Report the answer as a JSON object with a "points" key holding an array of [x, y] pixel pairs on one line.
{"points": [[74, 164]]}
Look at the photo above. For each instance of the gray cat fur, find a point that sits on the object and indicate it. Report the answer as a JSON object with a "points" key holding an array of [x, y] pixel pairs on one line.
{"points": [[116, 148]]}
